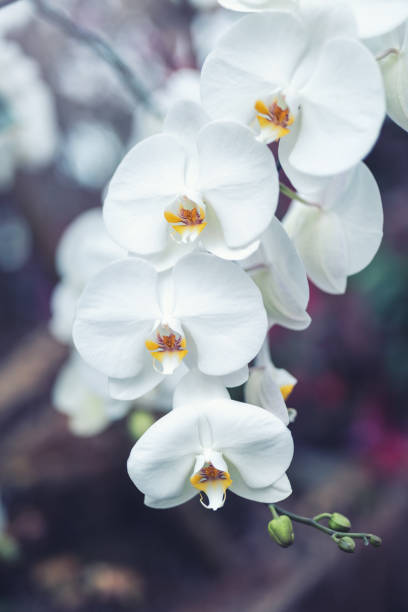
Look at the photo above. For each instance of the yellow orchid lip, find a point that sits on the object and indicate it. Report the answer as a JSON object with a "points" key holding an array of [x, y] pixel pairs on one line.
{"points": [[188, 222], [214, 483], [274, 119], [168, 351], [286, 390]]}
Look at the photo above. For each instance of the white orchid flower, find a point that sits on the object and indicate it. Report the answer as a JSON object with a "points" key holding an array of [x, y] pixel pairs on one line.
{"points": [[338, 228], [81, 393], [307, 81], [208, 444], [137, 326], [281, 277], [85, 248], [269, 387], [374, 17], [198, 182], [392, 51]]}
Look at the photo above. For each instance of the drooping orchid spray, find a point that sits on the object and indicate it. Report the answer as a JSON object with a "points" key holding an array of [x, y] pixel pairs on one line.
{"points": [[198, 267]]}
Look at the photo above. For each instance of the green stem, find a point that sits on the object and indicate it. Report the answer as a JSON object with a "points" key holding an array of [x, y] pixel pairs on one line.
{"points": [[313, 523], [293, 195], [321, 516]]}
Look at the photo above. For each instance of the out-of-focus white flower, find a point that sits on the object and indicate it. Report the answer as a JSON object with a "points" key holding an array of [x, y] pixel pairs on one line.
{"points": [[305, 79], [208, 444], [200, 4], [269, 387], [137, 326], [183, 84], [84, 249], [218, 187], [339, 233], [207, 28], [280, 275], [393, 51], [374, 17], [28, 130], [15, 15], [91, 152], [81, 393]]}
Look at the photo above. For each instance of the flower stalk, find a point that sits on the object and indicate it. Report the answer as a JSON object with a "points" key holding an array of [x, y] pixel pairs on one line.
{"points": [[337, 536]]}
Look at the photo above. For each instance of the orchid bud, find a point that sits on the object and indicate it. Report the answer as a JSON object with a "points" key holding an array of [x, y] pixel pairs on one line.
{"points": [[347, 544], [281, 530], [339, 522], [139, 422], [375, 541]]}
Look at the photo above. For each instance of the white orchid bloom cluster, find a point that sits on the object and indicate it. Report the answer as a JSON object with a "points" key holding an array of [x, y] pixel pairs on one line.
{"points": [[201, 268]]}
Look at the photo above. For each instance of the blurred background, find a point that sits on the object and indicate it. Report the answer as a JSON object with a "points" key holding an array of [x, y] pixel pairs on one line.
{"points": [[74, 533]]}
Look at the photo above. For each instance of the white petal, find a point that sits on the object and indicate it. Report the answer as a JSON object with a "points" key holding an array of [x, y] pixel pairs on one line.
{"points": [[172, 252], [147, 181], [252, 439], [63, 304], [262, 390], [196, 387], [376, 17], [162, 460], [237, 378], [213, 240], [184, 121], [394, 68], [221, 309], [236, 170], [283, 283], [361, 214], [85, 248], [187, 493], [258, 5], [258, 55], [341, 237], [342, 109], [136, 386], [321, 241], [271, 494], [115, 316]]}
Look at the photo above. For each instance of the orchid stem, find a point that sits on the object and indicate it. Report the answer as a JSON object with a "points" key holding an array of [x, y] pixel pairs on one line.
{"points": [[102, 48], [312, 522], [292, 194]]}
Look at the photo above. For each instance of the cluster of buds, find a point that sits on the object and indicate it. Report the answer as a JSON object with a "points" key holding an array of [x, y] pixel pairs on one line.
{"points": [[280, 529]]}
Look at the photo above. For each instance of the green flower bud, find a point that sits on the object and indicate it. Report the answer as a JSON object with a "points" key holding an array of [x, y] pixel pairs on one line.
{"points": [[339, 522], [375, 540], [139, 422], [346, 544], [281, 530]]}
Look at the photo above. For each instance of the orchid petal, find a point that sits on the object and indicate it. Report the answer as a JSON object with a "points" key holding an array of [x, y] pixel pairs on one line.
{"points": [[222, 310], [115, 315], [148, 180], [196, 388]]}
